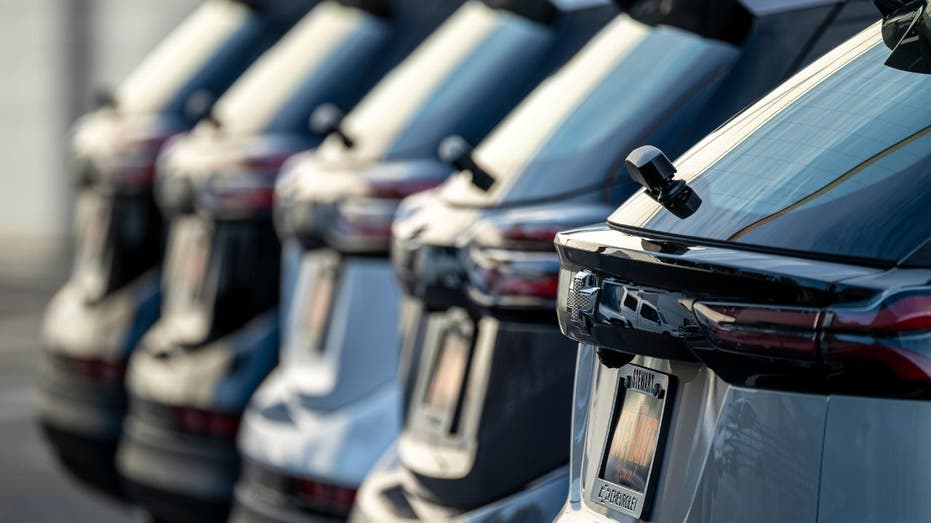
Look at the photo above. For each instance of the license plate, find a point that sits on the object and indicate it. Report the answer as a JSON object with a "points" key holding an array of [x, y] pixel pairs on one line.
{"points": [[446, 379], [633, 445], [188, 260]]}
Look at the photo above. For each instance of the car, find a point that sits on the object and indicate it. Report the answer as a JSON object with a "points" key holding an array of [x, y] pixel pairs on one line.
{"points": [[797, 251], [112, 295], [322, 419], [489, 381], [192, 372]]}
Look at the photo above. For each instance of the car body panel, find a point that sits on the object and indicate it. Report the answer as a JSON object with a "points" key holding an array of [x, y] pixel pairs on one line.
{"points": [[718, 437], [465, 77], [382, 499], [339, 446], [872, 462], [220, 375], [435, 231]]}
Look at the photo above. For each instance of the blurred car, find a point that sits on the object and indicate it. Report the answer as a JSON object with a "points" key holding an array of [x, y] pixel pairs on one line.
{"points": [[332, 407], [797, 258], [489, 383], [112, 295], [192, 373]]}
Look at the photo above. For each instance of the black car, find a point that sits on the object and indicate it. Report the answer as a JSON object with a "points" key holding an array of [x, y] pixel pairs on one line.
{"points": [[787, 258], [112, 295], [489, 384]]}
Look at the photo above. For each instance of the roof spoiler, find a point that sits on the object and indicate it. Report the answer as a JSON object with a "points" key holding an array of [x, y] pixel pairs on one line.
{"points": [[906, 30]]}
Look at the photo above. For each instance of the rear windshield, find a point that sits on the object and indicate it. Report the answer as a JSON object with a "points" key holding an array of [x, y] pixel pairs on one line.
{"points": [[170, 66], [835, 161], [310, 51], [568, 134]]}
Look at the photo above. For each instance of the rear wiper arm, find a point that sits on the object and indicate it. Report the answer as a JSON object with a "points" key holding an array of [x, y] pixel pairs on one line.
{"points": [[455, 151]]}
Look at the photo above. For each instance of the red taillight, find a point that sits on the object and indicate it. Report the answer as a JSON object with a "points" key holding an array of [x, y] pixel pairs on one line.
{"points": [[365, 221], [533, 233], [894, 334], [889, 339], [759, 329], [206, 423], [544, 285], [893, 315], [238, 192], [99, 370], [268, 162], [325, 498], [400, 189]]}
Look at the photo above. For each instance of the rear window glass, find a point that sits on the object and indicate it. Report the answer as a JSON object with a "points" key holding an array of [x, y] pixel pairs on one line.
{"points": [[315, 48], [568, 134], [177, 58], [835, 161]]}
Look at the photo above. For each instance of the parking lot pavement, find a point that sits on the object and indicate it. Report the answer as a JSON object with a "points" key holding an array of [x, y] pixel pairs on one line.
{"points": [[33, 488]]}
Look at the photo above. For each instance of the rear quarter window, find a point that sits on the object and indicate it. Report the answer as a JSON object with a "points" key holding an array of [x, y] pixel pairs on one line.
{"points": [[835, 161]]}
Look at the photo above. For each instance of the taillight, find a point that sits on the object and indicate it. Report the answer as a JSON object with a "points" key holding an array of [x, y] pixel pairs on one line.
{"points": [[399, 189], [324, 498], [362, 224], [242, 193], [763, 330], [513, 277], [349, 208], [131, 164], [205, 423], [893, 334], [881, 347], [97, 369], [350, 223], [511, 260]]}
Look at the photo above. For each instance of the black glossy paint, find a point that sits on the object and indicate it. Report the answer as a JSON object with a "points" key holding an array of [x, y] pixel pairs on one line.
{"points": [[839, 168], [436, 235]]}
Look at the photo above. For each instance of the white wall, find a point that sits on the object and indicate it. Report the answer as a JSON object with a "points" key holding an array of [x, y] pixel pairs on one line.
{"points": [[30, 119], [52, 52], [124, 30]]}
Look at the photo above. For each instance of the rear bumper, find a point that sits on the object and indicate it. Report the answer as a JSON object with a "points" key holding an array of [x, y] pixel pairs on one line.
{"points": [[73, 403], [177, 477], [384, 499], [253, 505], [87, 458], [82, 421]]}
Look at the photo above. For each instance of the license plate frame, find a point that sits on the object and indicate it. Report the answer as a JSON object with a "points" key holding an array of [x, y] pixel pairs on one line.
{"points": [[653, 391], [450, 357]]}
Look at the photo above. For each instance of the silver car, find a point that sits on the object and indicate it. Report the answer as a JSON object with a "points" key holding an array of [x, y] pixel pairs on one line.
{"points": [[319, 423]]}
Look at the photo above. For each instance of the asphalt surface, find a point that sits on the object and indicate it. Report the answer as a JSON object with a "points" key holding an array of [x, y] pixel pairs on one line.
{"points": [[33, 487]]}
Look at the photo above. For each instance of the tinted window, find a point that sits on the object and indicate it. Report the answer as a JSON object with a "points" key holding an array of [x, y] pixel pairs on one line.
{"points": [[836, 161], [630, 302], [298, 67], [575, 128], [170, 65], [649, 313]]}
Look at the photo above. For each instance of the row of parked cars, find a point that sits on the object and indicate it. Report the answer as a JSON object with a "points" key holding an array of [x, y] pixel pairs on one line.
{"points": [[316, 278]]}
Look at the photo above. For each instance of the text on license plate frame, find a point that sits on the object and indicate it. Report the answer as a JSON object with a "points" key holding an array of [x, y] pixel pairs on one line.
{"points": [[627, 468]]}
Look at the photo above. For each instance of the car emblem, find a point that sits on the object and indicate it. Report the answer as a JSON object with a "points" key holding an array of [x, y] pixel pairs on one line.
{"points": [[582, 300]]}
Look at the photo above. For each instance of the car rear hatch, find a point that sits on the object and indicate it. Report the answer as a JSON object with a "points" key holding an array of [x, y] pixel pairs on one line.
{"points": [[804, 269], [821, 182]]}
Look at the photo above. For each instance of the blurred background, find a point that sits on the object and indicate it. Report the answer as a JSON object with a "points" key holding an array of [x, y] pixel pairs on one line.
{"points": [[55, 54]]}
